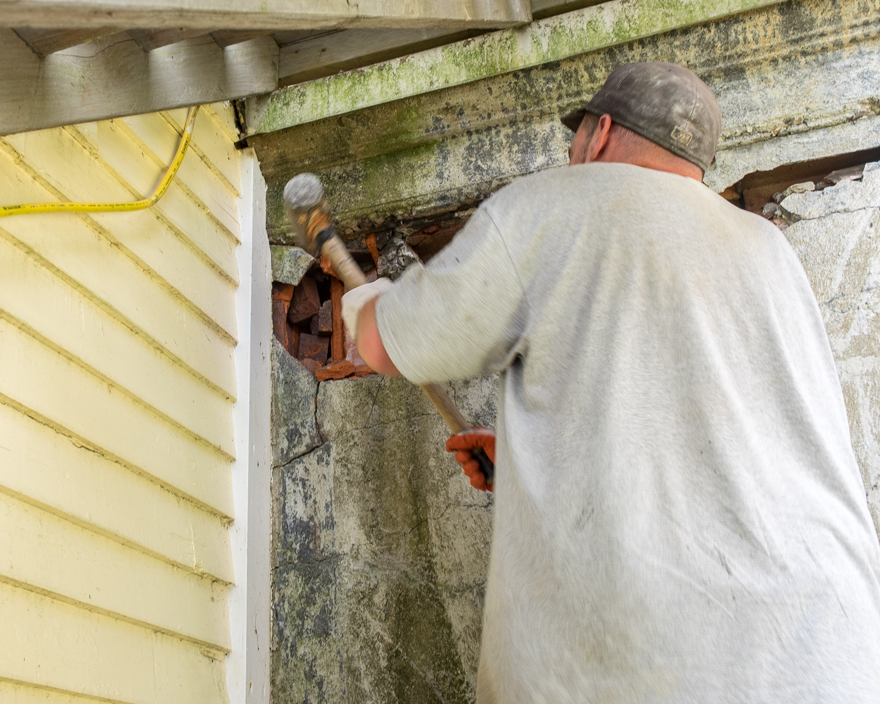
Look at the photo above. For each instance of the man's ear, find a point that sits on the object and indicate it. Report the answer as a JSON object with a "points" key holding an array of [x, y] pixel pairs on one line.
{"points": [[599, 141]]}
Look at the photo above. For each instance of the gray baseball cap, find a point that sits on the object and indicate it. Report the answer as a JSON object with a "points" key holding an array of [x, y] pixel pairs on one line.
{"points": [[665, 103]]}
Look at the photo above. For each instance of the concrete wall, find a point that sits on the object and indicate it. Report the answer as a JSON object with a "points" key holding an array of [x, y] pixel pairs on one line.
{"points": [[380, 545], [835, 234]]}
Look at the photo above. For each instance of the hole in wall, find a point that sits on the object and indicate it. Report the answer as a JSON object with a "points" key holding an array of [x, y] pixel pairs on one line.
{"points": [[757, 189]]}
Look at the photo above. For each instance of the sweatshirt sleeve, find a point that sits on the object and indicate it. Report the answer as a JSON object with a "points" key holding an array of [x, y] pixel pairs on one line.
{"points": [[463, 315]]}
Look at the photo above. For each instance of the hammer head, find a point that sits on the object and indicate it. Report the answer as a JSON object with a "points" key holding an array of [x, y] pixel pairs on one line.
{"points": [[307, 210]]}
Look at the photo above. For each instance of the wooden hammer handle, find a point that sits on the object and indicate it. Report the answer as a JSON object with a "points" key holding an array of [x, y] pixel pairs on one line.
{"points": [[336, 251], [352, 276]]}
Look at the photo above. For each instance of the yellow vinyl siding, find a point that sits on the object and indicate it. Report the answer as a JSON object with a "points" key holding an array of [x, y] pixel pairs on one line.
{"points": [[91, 257], [117, 384], [52, 472]]}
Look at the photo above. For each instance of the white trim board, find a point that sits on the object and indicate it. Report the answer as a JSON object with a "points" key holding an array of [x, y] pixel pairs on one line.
{"points": [[247, 665]]}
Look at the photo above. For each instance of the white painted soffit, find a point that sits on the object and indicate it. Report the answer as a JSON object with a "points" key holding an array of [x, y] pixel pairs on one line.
{"points": [[540, 42]]}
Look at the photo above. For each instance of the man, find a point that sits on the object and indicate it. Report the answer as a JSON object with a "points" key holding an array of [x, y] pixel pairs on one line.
{"points": [[679, 516]]}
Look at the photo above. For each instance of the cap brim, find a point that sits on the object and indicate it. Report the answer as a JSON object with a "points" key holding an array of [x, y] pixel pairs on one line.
{"points": [[573, 119]]}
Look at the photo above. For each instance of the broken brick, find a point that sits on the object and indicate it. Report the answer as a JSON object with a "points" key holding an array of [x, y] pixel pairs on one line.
{"points": [[337, 339], [282, 292], [335, 370], [803, 187], [310, 364], [770, 210], [362, 370], [327, 267], [292, 339], [853, 173], [322, 323], [279, 320], [370, 241], [305, 302], [313, 347]]}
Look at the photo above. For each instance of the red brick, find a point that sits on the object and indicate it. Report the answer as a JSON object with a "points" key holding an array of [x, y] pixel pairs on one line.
{"points": [[322, 323], [335, 370], [293, 336], [282, 292], [337, 339], [370, 241], [362, 370], [310, 364], [305, 303], [279, 320], [313, 347], [853, 173], [327, 267]]}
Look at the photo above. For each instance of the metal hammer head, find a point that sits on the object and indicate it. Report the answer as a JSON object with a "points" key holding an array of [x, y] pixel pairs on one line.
{"points": [[308, 211]]}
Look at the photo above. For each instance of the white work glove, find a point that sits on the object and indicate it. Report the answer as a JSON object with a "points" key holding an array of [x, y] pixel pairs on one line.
{"points": [[354, 301]]}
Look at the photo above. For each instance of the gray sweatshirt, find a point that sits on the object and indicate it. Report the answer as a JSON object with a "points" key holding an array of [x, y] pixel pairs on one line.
{"points": [[679, 516]]}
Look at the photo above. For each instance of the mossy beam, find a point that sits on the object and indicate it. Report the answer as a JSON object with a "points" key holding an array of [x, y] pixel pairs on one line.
{"points": [[470, 60]]}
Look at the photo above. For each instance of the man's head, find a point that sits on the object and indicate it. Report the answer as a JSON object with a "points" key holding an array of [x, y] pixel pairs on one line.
{"points": [[650, 114]]}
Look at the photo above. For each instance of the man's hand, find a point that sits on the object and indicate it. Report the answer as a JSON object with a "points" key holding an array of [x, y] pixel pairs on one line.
{"points": [[463, 444]]}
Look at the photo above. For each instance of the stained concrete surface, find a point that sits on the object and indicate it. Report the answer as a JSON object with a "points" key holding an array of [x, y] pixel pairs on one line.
{"points": [[795, 82], [380, 552], [836, 234]]}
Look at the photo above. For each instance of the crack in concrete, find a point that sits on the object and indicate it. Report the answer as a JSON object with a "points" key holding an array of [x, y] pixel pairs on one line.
{"points": [[302, 454], [795, 218], [373, 406]]}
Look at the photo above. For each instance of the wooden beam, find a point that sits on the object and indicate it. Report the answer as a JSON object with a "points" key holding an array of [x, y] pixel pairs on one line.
{"points": [[230, 37], [331, 53], [288, 36], [149, 39], [47, 41], [112, 77], [543, 41], [548, 8], [263, 14]]}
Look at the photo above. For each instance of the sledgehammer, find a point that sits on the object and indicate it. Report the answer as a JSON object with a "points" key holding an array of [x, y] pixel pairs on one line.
{"points": [[309, 215]]}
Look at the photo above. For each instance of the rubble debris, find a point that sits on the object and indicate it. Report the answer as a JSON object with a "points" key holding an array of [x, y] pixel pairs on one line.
{"points": [[289, 264], [338, 369], [370, 241], [781, 223], [279, 321], [794, 188], [293, 333], [313, 347], [770, 210], [395, 258], [327, 266], [305, 303], [310, 364], [283, 292], [338, 334], [852, 173], [322, 323]]}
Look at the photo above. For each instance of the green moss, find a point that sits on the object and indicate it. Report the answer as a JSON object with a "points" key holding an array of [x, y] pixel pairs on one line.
{"points": [[543, 41]]}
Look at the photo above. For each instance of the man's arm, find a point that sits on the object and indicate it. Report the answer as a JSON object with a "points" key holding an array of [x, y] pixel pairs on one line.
{"points": [[369, 342]]}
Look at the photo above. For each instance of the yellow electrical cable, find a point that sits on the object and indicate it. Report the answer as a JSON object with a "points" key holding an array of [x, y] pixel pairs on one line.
{"points": [[34, 208]]}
